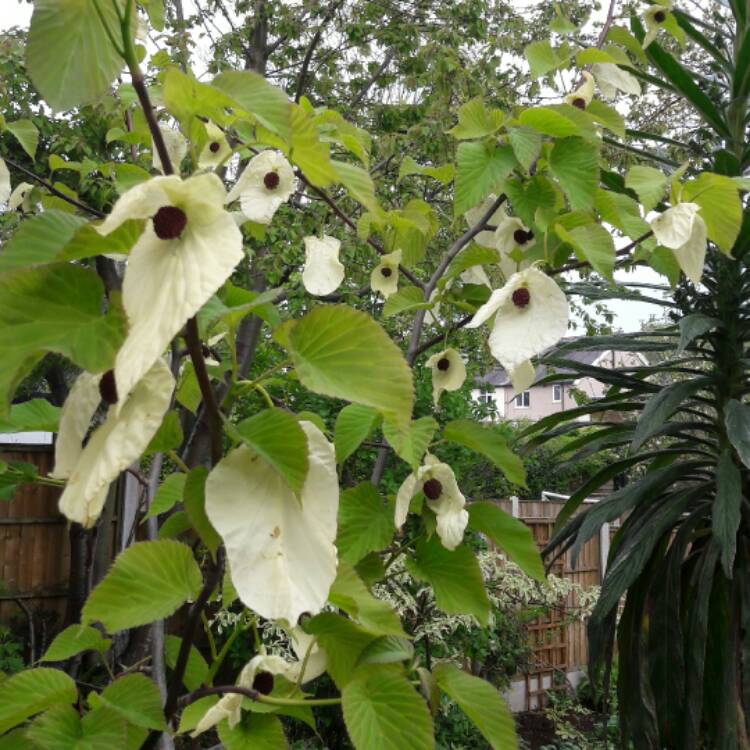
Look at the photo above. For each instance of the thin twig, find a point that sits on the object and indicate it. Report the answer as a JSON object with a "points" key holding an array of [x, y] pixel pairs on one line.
{"points": [[256, 696], [52, 189], [584, 263]]}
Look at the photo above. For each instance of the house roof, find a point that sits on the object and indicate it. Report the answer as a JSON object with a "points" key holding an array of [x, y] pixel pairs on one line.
{"points": [[498, 377]]}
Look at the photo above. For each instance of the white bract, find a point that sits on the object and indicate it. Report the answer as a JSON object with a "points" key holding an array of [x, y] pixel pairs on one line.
{"points": [[475, 275], [280, 547], [267, 181], [323, 271], [583, 95], [176, 146], [612, 78], [4, 182], [473, 215], [443, 497], [512, 239], [229, 706], [113, 446], [522, 376], [531, 314], [682, 230], [216, 151], [21, 197], [448, 372], [384, 277], [186, 252]]}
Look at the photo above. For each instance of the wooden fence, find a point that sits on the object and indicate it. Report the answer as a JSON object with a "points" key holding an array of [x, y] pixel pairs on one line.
{"points": [[559, 647], [34, 547]]}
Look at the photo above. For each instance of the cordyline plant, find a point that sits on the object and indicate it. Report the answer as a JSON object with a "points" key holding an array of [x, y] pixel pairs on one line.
{"points": [[261, 496]]}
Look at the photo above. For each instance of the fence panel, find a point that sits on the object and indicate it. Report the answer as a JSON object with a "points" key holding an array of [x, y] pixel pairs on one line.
{"points": [[34, 546]]}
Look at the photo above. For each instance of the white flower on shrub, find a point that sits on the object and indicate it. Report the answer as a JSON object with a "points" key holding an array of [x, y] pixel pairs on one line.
{"points": [[531, 314], [612, 78], [475, 275], [216, 151], [266, 182], [323, 272], [258, 675], [448, 372], [280, 547], [512, 239], [384, 277], [656, 15], [176, 146], [188, 249], [114, 445], [437, 482], [485, 238], [683, 231], [582, 96], [21, 197]]}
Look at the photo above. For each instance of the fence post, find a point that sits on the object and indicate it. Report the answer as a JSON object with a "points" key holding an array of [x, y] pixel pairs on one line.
{"points": [[515, 506]]}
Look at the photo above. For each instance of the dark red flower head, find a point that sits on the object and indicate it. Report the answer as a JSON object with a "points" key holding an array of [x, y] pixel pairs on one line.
{"points": [[169, 222], [432, 489], [214, 147], [271, 180], [443, 364], [387, 272], [660, 16], [263, 683], [521, 297], [108, 388], [579, 102]]}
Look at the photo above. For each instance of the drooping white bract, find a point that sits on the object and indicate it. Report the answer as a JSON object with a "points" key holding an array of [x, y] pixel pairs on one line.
{"points": [[323, 270], [512, 238], [475, 275], [531, 314], [266, 182], [229, 706], [448, 372], [186, 252], [583, 95], [655, 17], [216, 151], [75, 421], [612, 78], [522, 376], [5, 188], [281, 548], [443, 497], [384, 277], [176, 146], [473, 215], [682, 230], [113, 446], [20, 197]]}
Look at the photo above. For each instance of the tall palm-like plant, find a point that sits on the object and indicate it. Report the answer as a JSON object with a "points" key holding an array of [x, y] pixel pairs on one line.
{"points": [[676, 596]]}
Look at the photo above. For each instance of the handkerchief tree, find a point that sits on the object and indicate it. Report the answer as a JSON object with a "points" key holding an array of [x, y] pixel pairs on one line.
{"points": [[158, 300]]}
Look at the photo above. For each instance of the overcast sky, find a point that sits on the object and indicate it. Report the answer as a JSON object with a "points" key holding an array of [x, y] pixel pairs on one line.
{"points": [[629, 315]]}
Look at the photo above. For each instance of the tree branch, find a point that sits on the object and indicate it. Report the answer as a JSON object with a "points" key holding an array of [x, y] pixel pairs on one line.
{"points": [[362, 93], [52, 189], [302, 79]]}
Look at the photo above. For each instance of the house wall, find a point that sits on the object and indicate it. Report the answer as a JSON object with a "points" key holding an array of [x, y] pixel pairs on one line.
{"points": [[540, 402], [540, 396]]}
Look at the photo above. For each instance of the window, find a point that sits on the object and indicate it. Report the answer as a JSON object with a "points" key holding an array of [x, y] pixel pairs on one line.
{"points": [[556, 393], [523, 400], [485, 397]]}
